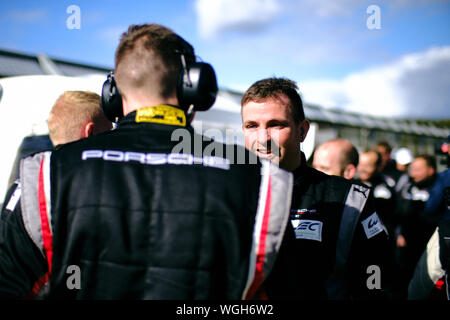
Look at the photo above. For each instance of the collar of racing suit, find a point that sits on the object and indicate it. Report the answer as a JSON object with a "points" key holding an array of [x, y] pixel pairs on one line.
{"points": [[130, 120], [376, 180], [302, 171]]}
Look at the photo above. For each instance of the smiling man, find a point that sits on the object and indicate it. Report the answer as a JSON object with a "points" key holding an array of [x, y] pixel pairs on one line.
{"points": [[271, 129], [339, 236]]}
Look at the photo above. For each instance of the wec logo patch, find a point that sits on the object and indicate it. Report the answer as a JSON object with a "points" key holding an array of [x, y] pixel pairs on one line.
{"points": [[372, 225], [307, 229]]}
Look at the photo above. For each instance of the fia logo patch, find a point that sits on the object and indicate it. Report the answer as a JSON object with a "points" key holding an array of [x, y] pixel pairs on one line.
{"points": [[372, 225], [307, 229]]}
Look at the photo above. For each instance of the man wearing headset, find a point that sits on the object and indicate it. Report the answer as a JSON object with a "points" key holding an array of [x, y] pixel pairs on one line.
{"points": [[339, 237], [75, 115], [136, 218]]}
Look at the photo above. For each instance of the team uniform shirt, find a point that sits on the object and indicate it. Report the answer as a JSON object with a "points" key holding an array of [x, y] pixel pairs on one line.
{"points": [[416, 226], [340, 241], [385, 202]]}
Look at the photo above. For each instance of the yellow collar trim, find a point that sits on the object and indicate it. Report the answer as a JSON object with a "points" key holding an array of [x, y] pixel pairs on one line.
{"points": [[163, 114]]}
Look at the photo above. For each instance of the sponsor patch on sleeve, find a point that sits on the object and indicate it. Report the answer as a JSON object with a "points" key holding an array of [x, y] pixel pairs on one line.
{"points": [[372, 225], [307, 229], [381, 192], [14, 198]]}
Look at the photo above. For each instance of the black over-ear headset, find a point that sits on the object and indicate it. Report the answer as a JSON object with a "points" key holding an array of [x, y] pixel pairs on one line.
{"points": [[196, 88]]}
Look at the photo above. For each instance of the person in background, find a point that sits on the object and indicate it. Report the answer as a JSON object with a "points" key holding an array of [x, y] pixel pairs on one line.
{"points": [[74, 116], [403, 158], [431, 274], [415, 227], [387, 168], [337, 157], [369, 172]]}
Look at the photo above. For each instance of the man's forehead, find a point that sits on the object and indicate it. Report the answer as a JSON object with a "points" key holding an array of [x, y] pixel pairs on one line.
{"points": [[370, 157], [279, 98], [279, 104], [419, 162]]}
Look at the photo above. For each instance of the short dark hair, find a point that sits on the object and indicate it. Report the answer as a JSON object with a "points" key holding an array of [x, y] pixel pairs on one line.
{"points": [[384, 144], [349, 156], [430, 160], [272, 88], [148, 56]]}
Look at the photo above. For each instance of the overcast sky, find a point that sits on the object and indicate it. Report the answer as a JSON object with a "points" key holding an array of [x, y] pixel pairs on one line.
{"points": [[330, 48]]}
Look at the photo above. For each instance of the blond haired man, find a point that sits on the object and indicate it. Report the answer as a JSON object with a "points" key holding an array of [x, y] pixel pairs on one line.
{"points": [[23, 273], [76, 115]]}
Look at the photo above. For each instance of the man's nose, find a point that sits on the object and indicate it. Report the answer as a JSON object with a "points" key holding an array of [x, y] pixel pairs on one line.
{"points": [[263, 135]]}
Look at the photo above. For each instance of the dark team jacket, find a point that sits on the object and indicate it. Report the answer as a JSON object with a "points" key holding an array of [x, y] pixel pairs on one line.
{"points": [[385, 202], [416, 225], [341, 242], [139, 217]]}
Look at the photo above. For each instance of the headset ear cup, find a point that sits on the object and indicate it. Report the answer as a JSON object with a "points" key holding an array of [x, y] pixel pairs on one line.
{"points": [[197, 85], [111, 99]]}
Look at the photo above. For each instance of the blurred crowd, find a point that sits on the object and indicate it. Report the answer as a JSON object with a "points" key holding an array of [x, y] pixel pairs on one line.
{"points": [[408, 192]]}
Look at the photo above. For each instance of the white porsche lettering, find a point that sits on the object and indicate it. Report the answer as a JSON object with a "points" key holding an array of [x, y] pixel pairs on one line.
{"points": [[91, 154], [156, 158], [180, 158], [113, 155], [135, 156]]}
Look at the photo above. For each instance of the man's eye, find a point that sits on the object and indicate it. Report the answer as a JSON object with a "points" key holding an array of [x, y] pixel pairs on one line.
{"points": [[250, 126], [277, 125]]}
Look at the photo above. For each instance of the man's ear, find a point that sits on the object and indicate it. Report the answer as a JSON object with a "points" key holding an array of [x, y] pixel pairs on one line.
{"points": [[304, 128], [349, 172], [88, 130], [431, 171]]}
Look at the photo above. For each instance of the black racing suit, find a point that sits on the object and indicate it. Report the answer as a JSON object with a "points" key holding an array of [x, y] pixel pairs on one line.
{"points": [[21, 262], [385, 202], [341, 242], [385, 205], [143, 215]]}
